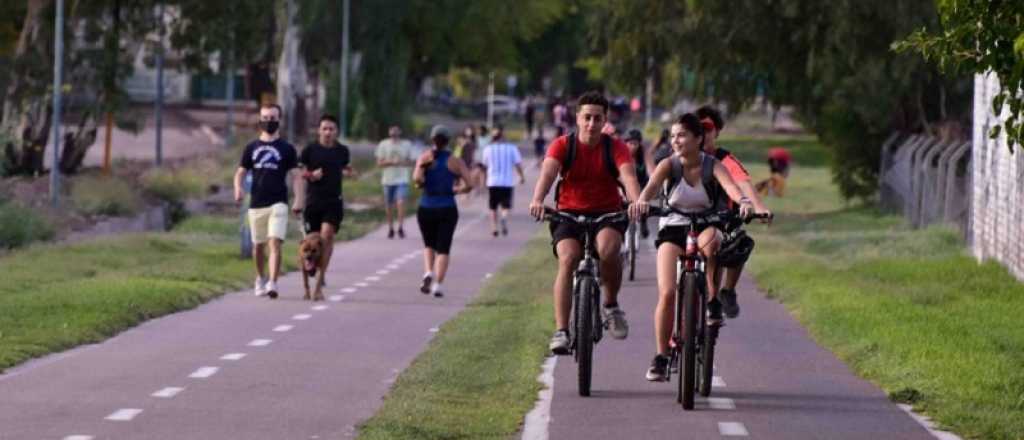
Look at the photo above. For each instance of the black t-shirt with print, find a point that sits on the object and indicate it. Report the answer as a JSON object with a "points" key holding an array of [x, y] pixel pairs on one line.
{"points": [[332, 161], [269, 163]]}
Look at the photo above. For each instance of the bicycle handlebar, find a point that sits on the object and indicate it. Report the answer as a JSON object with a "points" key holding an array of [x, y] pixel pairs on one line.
{"points": [[554, 215], [706, 217]]}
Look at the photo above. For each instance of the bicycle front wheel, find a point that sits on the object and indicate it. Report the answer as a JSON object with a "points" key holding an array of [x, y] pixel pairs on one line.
{"points": [[584, 334], [687, 380]]}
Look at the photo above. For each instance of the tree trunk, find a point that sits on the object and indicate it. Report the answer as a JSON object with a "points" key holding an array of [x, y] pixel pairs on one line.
{"points": [[26, 109]]}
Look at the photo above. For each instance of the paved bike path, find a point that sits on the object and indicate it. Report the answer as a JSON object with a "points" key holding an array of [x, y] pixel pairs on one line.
{"points": [[243, 367], [774, 382]]}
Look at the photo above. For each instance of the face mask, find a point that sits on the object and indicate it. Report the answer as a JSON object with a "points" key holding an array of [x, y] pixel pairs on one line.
{"points": [[269, 126]]}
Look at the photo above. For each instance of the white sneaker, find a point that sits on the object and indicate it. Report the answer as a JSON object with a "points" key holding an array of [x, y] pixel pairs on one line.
{"points": [[271, 289], [259, 287], [615, 322]]}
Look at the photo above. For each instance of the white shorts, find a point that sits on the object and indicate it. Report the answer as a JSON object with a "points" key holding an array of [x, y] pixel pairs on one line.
{"points": [[268, 222]]}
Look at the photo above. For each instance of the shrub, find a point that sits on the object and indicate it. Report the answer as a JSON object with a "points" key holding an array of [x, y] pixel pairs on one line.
{"points": [[20, 226], [99, 195]]}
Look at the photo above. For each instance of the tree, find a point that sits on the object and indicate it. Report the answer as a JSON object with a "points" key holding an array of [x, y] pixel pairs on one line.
{"points": [[830, 60], [103, 38], [980, 36]]}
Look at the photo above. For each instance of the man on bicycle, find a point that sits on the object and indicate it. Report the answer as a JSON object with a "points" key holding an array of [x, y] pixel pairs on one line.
{"points": [[712, 123], [589, 185]]}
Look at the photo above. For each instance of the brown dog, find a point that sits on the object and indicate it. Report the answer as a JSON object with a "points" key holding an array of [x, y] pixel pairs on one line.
{"points": [[311, 260]]}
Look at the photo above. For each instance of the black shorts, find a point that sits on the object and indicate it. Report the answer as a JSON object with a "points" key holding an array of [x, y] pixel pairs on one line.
{"points": [[499, 196], [318, 212], [562, 230], [676, 235], [437, 226]]}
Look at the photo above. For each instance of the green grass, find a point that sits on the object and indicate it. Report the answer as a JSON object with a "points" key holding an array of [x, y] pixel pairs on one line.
{"points": [[458, 388], [907, 309]]}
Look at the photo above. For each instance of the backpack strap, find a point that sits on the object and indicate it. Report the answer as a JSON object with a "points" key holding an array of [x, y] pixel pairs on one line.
{"points": [[609, 160], [674, 176], [711, 186]]}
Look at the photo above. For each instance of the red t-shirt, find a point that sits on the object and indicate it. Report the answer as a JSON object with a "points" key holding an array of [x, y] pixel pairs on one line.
{"points": [[735, 169], [587, 187]]}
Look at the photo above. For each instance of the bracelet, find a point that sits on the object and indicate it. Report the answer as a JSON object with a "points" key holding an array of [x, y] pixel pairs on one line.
{"points": [[744, 200]]}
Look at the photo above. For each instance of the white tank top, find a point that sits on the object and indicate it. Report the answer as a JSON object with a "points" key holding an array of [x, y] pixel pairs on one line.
{"points": [[686, 198]]}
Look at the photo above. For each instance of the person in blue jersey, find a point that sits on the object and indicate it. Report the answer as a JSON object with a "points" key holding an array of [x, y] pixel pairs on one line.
{"points": [[440, 175]]}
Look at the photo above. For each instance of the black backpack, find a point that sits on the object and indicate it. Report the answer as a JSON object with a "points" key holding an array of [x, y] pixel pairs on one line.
{"points": [[707, 178], [570, 156]]}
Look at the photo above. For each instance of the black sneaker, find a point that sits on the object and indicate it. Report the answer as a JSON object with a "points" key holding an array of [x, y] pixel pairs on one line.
{"points": [[425, 286], [391, 234], [714, 312], [730, 305], [659, 369], [438, 294], [401, 233]]}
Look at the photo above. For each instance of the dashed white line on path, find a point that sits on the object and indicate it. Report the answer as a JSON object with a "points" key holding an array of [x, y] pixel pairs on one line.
{"points": [[232, 357], [434, 329], [320, 307], [302, 317], [204, 372], [124, 415], [717, 382], [535, 426], [721, 403], [488, 275], [393, 266], [383, 272], [349, 290], [168, 392], [260, 342], [361, 284], [372, 278], [336, 298], [283, 328], [732, 429], [78, 437]]}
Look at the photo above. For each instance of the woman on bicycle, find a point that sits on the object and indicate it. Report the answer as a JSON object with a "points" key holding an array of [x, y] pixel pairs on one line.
{"points": [[690, 194]]}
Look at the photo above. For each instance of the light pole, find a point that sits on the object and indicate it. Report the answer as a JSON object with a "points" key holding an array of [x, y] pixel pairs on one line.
{"points": [[343, 102], [159, 111], [58, 74]]}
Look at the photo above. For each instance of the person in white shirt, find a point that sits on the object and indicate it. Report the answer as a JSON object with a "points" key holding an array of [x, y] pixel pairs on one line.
{"points": [[395, 158], [500, 159]]}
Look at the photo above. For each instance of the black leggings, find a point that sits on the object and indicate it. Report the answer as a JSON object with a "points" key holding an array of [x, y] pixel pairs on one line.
{"points": [[437, 226]]}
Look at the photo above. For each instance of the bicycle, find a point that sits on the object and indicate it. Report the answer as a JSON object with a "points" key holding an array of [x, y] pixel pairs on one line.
{"points": [[692, 346], [585, 324]]}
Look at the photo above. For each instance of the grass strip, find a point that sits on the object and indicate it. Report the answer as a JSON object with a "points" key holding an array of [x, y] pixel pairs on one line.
{"points": [[478, 376], [57, 296]]}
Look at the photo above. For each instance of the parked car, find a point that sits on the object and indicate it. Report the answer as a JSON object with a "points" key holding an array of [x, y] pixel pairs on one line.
{"points": [[503, 105]]}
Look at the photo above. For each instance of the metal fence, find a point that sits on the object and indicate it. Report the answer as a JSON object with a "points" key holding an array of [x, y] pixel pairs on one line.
{"points": [[927, 180], [997, 211]]}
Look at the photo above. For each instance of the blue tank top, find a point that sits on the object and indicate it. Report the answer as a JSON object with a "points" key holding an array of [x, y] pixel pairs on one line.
{"points": [[437, 190]]}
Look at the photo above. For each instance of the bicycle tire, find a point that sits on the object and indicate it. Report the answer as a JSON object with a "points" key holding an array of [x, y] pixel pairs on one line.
{"points": [[690, 305], [707, 361], [676, 362], [584, 335], [632, 254]]}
